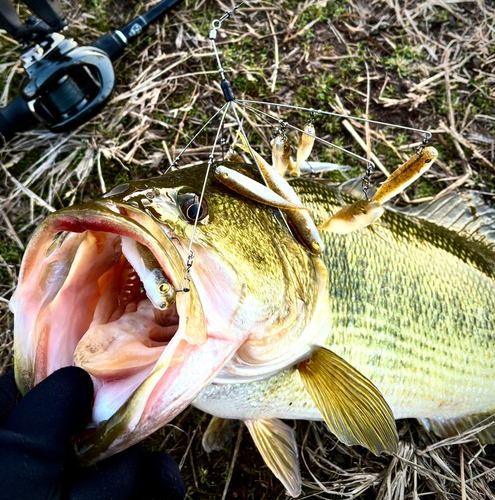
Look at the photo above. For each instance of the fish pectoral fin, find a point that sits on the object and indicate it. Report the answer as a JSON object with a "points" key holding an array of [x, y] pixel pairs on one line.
{"points": [[218, 433], [482, 426], [352, 407], [276, 442]]}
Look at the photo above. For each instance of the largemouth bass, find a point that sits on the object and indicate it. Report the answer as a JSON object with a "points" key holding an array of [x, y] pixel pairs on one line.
{"points": [[402, 325]]}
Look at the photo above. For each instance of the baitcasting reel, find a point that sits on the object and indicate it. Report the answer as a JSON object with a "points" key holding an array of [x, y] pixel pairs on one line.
{"points": [[65, 85]]}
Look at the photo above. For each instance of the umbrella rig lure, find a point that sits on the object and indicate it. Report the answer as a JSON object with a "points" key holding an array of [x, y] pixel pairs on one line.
{"points": [[276, 191]]}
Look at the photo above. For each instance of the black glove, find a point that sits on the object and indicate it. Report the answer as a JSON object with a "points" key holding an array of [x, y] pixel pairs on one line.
{"points": [[35, 465]]}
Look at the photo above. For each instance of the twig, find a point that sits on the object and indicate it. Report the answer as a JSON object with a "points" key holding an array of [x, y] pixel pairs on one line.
{"points": [[11, 231], [100, 173], [348, 125], [466, 144], [275, 42], [181, 125], [234, 459], [367, 124], [27, 191], [183, 459], [5, 93], [461, 465]]}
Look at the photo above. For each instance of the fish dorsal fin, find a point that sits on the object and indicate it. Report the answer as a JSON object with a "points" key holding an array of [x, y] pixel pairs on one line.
{"points": [[464, 213], [450, 427], [276, 442], [352, 407], [467, 217], [218, 433], [354, 188]]}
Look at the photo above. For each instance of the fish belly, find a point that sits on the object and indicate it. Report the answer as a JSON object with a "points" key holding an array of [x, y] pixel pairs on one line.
{"points": [[412, 309]]}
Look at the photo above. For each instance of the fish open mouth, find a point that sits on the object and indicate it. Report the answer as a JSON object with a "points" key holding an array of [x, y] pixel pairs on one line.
{"points": [[81, 301]]}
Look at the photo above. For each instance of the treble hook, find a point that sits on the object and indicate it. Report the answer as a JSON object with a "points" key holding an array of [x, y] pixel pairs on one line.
{"points": [[187, 276]]}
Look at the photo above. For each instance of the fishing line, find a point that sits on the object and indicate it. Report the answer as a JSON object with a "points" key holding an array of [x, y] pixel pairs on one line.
{"points": [[216, 25], [427, 135], [241, 129], [175, 163], [190, 256], [230, 99], [225, 85], [286, 124]]}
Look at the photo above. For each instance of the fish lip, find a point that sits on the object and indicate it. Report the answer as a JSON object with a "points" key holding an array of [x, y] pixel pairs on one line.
{"points": [[106, 217]]}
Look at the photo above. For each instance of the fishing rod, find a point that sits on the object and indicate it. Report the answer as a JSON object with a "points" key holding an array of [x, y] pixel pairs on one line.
{"points": [[66, 84]]}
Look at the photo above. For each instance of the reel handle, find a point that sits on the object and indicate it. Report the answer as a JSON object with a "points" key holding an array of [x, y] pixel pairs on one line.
{"points": [[49, 11], [9, 20]]}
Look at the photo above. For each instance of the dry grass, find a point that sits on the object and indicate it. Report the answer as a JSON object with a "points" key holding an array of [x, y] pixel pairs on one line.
{"points": [[421, 64]]}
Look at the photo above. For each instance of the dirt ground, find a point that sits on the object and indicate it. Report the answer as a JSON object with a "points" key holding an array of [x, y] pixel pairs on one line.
{"points": [[426, 65]]}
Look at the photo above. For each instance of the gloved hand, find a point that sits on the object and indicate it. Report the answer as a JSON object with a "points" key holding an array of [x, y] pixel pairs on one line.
{"points": [[35, 464]]}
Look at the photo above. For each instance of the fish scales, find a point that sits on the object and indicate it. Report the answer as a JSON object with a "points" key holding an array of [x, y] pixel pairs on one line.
{"points": [[414, 311]]}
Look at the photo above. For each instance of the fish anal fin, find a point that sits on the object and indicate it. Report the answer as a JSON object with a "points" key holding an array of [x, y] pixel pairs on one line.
{"points": [[450, 427], [352, 407], [276, 442], [218, 433]]}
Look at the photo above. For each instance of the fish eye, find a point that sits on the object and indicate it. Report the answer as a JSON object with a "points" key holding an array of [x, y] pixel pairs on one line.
{"points": [[192, 209]]}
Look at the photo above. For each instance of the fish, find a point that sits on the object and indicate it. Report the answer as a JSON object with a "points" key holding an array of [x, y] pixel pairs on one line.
{"points": [[304, 147], [234, 156], [248, 187], [363, 213], [280, 153], [158, 289], [406, 174], [355, 216], [366, 332]]}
